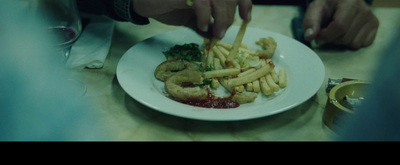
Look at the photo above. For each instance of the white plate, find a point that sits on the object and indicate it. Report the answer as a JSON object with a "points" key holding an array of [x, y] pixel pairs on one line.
{"points": [[305, 75]]}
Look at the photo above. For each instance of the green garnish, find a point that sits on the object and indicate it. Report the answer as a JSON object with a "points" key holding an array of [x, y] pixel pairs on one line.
{"points": [[187, 52], [207, 81], [208, 68]]}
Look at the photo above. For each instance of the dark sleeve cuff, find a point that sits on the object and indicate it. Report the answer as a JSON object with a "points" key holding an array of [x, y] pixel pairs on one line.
{"points": [[123, 10]]}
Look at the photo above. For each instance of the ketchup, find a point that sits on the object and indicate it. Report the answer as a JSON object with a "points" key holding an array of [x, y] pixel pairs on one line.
{"points": [[213, 102]]}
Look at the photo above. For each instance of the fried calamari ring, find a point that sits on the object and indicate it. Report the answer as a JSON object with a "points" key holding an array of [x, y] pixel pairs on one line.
{"points": [[169, 68], [269, 45], [173, 86]]}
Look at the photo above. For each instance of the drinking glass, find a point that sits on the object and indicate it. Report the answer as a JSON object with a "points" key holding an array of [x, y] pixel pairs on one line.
{"points": [[63, 23]]}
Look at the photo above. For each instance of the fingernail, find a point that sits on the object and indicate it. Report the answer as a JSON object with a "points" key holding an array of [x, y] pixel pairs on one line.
{"points": [[249, 16], [370, 38], [222, 34], [308, 32]]}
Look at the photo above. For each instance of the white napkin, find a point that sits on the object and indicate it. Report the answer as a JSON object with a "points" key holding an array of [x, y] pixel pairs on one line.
{"points": [[91, 49]]}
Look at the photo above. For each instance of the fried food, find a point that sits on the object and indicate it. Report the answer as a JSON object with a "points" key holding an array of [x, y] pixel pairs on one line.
{"points": [[252, 76], [173, 86], [169, 68], [274, 76], [282, 78], [269, 45], [219, 55], [221, 73], [265, 88], [243, 72], [236, 44], [243, 98], [256, 86], [271, 83]]}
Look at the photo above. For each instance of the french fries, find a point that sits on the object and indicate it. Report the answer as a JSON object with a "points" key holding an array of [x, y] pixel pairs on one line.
{"points": [[234, 76], [249, 87], [219, 55], [214, 83], [266, 90], [236, 44], [271, 83], [256, 86], [242, 71], [251, 76], [282, 77], [274, 76], [221, 73], [210, 59]]}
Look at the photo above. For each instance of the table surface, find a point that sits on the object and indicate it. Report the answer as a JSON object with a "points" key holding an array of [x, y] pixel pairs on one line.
{"points": [[127, 119]]}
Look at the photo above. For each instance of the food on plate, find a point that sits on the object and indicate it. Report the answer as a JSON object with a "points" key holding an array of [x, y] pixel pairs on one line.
{"points": [[213, 101], [271, 83], [221, 73], [187, 52], [235, 47], [188, 91], [193, 74], [282, 77], [170, 67], [269, 46], [243, 98], [251, 76]]}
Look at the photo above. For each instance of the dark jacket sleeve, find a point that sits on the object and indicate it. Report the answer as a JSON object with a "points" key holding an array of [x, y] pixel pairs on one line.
{"points": [[119, 10]]}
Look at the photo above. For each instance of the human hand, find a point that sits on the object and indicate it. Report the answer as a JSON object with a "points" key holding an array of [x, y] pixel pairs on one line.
{"points": [[197, 16], [342, 22]]}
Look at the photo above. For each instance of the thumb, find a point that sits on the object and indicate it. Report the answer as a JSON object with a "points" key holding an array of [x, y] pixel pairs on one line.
{"points": [[312, 20]]}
